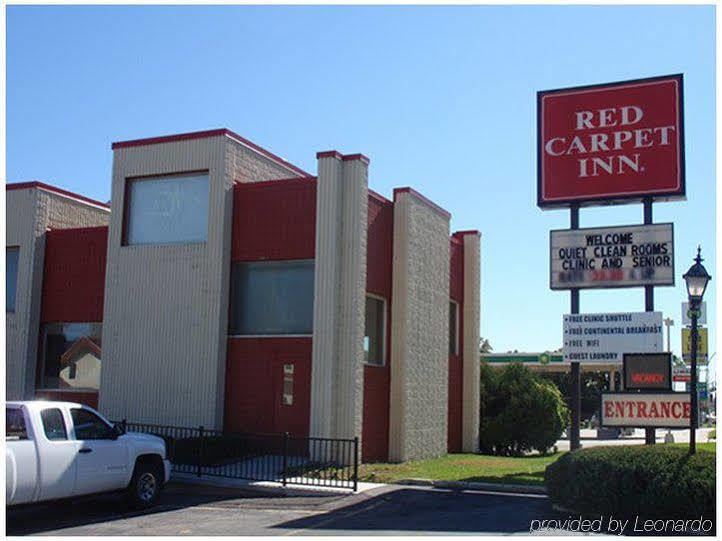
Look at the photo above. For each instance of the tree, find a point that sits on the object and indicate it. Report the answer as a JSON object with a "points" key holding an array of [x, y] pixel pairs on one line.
{"points": [[485, 346], [520, 411]]}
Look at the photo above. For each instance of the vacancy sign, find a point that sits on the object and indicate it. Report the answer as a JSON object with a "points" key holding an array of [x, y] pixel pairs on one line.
{"points": [[625, 256], [605, 338], [611, 142], [646, 409]]}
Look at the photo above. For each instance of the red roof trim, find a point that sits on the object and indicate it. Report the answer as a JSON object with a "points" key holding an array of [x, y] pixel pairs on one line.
{"points": [[380, 197], [79, 229], [455, 240], [53, 189], [80, 342], [361, 157], [467, 232], [424, 199], [204, 134], [329, 154]]}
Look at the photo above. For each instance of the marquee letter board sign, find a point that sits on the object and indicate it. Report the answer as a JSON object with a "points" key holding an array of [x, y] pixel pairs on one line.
{"points": [[623, 256]]}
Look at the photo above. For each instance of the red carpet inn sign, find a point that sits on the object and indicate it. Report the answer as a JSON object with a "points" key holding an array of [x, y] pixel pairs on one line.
{"points": [[611, 144]]}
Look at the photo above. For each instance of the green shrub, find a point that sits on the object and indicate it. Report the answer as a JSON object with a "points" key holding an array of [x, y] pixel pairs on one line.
{"points": [[712, 434], [520, 412], [656, 481]]}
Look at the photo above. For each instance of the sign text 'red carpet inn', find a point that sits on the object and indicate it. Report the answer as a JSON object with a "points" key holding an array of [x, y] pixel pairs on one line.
{"points": [[611, 142], [624, 256]]}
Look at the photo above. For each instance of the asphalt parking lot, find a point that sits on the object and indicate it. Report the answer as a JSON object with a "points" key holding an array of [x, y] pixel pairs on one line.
{"points": [[193, 510]]}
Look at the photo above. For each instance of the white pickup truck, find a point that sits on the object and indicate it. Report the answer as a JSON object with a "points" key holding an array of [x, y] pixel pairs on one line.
{"points": [[60, 450]]}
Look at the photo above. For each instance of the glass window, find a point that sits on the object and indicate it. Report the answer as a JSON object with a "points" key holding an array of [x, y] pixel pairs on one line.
{"points": [[167, 210], [11, 277], [53, 424], [71, 356], [89, 426], [287, 385], [374, 332], [453, 328], [273, 297], [15, 424]]}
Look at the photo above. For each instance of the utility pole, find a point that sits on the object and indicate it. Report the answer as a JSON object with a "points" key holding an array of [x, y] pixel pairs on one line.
{"points": [[669, 322]]}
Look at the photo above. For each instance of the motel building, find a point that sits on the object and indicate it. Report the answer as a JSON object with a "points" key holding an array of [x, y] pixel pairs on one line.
{"points": [[223, 286]]}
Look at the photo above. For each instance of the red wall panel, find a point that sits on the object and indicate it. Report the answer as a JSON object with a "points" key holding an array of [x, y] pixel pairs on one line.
{"points": [[254, 385], [89, 398], [274, 220], [377, 379], [456, 292], [74, 275]]}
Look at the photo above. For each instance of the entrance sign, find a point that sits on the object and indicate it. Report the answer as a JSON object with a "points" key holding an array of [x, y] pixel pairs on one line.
{"points": [[646, 409], [612, 142], [701, 345], [605, 338], [687, 314], [646, 371], [623, 256]]}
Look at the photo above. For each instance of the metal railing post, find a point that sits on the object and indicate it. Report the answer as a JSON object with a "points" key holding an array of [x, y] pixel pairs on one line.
{"points": [[355, 464], [200, 450], [285, 458]]}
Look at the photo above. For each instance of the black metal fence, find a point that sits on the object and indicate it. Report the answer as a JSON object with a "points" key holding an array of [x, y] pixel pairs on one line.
{"points": [[282, 458]]}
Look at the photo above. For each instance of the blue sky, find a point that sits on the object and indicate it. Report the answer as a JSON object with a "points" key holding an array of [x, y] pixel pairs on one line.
{"points": [[441, 99]]}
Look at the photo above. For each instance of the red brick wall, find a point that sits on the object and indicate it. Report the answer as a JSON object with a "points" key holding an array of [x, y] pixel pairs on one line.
{"points": [[273, 220], [89, 398], [74, 275], [377, 379], [456, 292]]}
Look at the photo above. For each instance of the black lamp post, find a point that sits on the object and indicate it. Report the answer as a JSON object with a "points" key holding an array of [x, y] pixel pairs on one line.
{"points": [[696, 278]]}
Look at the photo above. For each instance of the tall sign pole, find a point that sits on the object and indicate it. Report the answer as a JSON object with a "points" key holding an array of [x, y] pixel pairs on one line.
{"points": [[649, 432], [693, 383], [576, 383]]}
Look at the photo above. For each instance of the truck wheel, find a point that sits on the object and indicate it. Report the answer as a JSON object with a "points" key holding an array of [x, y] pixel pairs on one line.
{"points": [[145, 486]]}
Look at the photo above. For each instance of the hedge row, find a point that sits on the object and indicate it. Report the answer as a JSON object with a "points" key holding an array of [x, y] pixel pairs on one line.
{"points": [[652, 482]]}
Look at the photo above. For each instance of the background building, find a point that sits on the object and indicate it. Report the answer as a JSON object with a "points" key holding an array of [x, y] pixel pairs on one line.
{"points": [[228, 288]]}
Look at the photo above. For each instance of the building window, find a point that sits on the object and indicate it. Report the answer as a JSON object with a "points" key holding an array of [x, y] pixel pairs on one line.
{"points": [[11, 277], [167, 210], [453, 328], [287, 385], [272, 297], [375, 330], [71, 356]]}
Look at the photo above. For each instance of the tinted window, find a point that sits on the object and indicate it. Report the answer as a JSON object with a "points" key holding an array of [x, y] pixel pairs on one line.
{"points": [[53, 424], [11, 277], [167, 210], [15, 424], [374, 333], [272, 298], [71, 356], [89, 426], [453, 328]]}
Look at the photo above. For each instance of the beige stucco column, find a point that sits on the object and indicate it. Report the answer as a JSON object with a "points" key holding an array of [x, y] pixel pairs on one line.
{"points": [[339, 296], [471, 360], [419, 328]]}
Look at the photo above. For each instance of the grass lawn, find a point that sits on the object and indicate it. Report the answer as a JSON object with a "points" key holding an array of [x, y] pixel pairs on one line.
{"points": [[528, 470], [701, 446]]}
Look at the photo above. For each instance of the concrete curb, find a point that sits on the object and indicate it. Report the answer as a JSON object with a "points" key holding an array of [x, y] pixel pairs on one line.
{"points": [[474, 485]]}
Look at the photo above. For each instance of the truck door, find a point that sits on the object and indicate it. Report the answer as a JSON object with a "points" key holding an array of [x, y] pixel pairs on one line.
{"points": [[56, 453], [102, 459]]}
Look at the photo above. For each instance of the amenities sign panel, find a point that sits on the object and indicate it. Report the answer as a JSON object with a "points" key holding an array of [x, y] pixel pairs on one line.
{"points": [[625, 256], [609, 142], [667, 410], [605, 338]]}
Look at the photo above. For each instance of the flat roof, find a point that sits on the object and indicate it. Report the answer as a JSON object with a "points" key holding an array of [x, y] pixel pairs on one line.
{"points": [[210, 133], [54, 189]]}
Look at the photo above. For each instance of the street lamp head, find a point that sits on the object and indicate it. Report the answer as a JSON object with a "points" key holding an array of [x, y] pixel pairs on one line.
{"points": [[696, 278]]}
